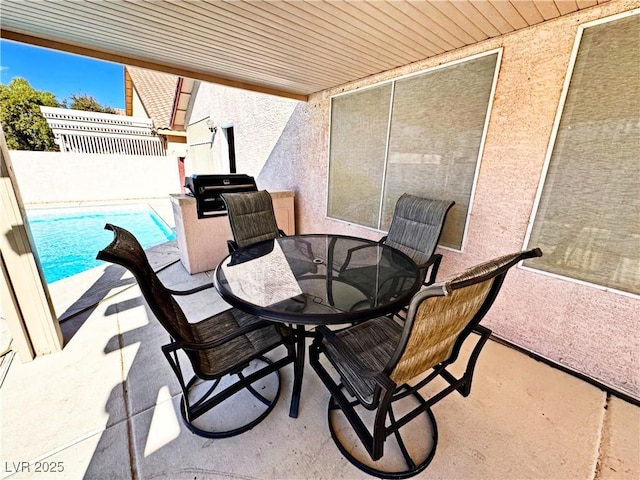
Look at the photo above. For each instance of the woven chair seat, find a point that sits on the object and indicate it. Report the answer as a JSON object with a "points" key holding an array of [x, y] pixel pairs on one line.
{"points": [[235, 353], [363, 349], [251, 218], [417, 225]]}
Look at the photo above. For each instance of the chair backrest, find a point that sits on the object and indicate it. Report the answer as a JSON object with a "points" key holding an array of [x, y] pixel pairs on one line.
{"points": [[441, 316], [251, 217], [126, 251], [416, 226]]}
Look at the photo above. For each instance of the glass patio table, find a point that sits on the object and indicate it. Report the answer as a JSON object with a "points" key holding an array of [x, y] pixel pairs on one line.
{"points": [[303, 280]]}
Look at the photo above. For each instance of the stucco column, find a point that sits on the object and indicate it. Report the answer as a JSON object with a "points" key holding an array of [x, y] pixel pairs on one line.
{"points": [[26, 303]]}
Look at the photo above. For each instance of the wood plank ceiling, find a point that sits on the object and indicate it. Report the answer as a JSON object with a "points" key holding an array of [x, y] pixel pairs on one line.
{"points": [[288, 48]]}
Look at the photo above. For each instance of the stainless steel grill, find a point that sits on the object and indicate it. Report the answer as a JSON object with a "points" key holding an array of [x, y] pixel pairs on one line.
{"points": [[207, 189]]}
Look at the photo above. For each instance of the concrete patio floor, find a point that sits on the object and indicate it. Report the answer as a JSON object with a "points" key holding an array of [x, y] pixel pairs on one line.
{"points": [[106, 407]]}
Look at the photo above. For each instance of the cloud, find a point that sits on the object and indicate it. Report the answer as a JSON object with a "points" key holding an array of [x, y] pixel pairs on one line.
{"points": [[2, 69]]}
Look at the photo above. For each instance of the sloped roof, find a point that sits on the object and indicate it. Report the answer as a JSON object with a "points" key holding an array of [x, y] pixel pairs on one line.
{"points": [[157, 92], [181, 103]]}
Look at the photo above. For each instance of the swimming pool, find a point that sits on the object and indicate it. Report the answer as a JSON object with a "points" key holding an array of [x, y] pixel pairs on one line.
{"points": [[68, 239]]}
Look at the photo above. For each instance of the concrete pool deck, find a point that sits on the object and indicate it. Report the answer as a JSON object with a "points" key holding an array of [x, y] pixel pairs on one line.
{"points": [[105, 407]]}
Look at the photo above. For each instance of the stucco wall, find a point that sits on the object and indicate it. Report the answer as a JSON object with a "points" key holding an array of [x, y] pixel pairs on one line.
{"points": [[586, 329], [55, 177], [257, 121]]}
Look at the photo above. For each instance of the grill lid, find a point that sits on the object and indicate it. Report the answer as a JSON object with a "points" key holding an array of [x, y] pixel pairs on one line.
{"points": [[207, 189]]}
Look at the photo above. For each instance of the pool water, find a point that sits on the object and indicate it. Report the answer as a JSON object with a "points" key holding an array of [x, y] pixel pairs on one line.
{"points": [[68, 239]]}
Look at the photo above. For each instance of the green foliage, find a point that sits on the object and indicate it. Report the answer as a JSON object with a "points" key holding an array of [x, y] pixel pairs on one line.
{"points": [[24, 125], [88, 104]]}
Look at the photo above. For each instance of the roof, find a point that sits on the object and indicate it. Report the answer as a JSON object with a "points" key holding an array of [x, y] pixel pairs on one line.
{"points": [[287, 48], [156, 90], [181, 101]]}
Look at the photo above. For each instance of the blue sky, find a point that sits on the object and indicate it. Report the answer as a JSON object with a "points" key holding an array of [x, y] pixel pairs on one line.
{"points": [[63, 74]]}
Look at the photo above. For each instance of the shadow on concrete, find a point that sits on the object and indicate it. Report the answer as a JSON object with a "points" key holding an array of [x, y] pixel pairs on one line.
{"points": [[111, 282], [77, 314]]}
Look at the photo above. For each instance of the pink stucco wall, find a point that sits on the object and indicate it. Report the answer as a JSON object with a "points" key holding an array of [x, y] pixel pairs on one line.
{"points": [[586, 329]]}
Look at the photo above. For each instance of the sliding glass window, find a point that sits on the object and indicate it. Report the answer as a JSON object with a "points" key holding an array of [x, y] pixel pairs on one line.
{"points": [[587, 219], [421, 134]]}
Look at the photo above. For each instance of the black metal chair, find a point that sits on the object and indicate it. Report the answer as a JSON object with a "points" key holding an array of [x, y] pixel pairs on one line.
{"points": [[415, 230], [379, 367], [251, 218], [226, 351]]}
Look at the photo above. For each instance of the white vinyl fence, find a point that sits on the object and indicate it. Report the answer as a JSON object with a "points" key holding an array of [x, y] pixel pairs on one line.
{"points": [[94, 132], [57, 177]]}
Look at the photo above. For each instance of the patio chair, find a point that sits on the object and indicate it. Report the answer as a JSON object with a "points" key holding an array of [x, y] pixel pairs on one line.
{"points": [[226, 351], [377, 417], [251, 218], [415, 230]]}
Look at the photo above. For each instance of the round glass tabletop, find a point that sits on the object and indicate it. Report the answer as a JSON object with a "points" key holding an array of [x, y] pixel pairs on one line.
{"points": [[318, 279]]}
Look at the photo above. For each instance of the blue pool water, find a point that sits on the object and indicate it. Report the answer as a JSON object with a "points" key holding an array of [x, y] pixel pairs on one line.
{"points": [[68, 239]]}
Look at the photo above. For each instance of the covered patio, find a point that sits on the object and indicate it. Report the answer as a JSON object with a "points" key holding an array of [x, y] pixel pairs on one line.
{"points": [[107, 407], [556, 391]]}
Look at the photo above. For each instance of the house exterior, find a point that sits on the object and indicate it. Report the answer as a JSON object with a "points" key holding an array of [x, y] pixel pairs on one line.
{"points": [[256, 120], [163, 98], [587, 328]]}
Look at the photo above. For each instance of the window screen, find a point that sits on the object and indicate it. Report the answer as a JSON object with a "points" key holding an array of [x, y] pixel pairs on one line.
{"points": [[588, 218], [359, 124], [420, 134], [436, 133]]}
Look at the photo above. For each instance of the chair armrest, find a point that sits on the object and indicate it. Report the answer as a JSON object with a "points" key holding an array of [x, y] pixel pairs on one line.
{"points": [[434, 263], [191, 291], [354, 249], [347, 260], [309, 249]]}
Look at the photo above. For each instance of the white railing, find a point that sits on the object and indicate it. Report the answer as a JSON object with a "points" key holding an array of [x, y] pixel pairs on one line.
{"points": [[92, 132], [123, 145]]}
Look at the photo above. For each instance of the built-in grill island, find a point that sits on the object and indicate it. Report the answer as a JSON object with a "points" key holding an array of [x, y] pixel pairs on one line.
{"points": [[207, 190], [202, 224]]}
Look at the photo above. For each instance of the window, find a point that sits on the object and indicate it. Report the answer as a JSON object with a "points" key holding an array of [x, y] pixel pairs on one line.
{"points": [[587, 216], [421, 134]]}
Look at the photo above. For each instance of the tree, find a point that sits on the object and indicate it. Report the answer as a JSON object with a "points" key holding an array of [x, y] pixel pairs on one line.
{"points": [[24, 125], [87, 103], [22, 121]]}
